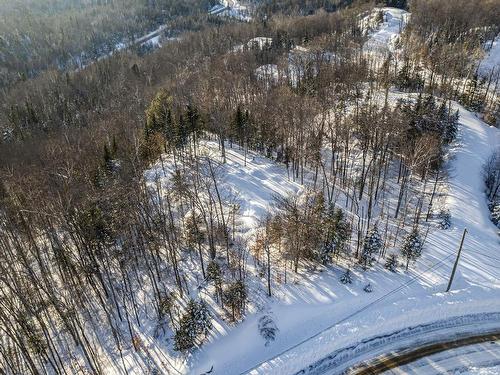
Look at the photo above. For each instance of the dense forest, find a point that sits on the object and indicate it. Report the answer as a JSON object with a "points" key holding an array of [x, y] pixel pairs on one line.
{"points": [[67, 34], [114, 207]]}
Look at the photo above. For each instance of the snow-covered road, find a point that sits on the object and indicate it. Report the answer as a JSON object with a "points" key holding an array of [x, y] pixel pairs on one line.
{"points": [[481, 358]]}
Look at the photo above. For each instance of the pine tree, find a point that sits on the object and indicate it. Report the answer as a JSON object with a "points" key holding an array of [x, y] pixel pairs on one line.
{"points": [[368, 288], [158, 114], [238, 126], [195, 236], [194, 123], [372, 245], [214, 274], [451, 129], [196, 321], [235, 296], [336, 233], [392, 262], [181, 133], [108, 159], [412, 247], [346, 277], [495, 214]]}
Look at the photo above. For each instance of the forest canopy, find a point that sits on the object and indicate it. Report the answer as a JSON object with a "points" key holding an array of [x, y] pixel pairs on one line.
{"points": [[36, 35]]}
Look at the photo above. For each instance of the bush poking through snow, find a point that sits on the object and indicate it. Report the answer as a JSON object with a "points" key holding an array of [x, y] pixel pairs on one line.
{"points": [[346, 277], [267, 329], [368, 288]]}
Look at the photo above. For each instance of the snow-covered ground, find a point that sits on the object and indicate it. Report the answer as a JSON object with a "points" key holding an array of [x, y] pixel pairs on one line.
{"points": [[493, 370], [316, 314], [231, 8], [320, 306], [318, 300], [384, 37], [492, 59]]}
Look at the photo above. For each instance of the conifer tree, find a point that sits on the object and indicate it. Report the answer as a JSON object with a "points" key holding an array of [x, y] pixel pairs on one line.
{"points": [[412, 247], [346, 277], [392, 262], [214, 275], [336, 233], [195, 237], [194, 323], [235, 296], [371, 246]]}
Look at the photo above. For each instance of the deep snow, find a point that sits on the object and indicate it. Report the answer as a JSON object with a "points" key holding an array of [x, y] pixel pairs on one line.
{"points": [[315, 303], [492, 59], [319, 301]]}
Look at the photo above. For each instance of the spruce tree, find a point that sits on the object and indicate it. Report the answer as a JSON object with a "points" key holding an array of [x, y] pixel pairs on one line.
{"points": [[214, 275], [392, 262], [235, 296], [412, 247], [194, 323], [336, 233], [346, 277], [371, 246]]}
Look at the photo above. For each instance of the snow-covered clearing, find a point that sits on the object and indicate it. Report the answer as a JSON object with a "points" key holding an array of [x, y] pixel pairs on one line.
{"points": [[384, 37], [492, 59]]}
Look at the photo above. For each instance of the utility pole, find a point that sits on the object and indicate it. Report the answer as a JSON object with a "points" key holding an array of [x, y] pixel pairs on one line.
{"points": [[456, 261]]}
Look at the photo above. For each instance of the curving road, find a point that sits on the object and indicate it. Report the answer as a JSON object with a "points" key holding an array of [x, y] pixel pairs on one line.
{"points": [[459, 355]]}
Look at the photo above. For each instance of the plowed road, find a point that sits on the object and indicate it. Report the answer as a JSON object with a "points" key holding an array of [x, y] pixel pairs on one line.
{"points": [[482, 348]]}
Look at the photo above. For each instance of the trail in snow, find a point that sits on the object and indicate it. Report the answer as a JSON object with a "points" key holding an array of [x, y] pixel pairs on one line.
{"points": [[492, 59], [384, 38]]}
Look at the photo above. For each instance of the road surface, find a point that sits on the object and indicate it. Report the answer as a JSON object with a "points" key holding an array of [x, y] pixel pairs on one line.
{"points": [[454, 355]]}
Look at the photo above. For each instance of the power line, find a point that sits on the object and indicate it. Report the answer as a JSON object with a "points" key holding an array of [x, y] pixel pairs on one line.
{"points": [[402, 286]]}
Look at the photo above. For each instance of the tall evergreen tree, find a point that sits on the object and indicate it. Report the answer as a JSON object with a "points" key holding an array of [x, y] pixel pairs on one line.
{"points": [[412, 247], [372, 245]]}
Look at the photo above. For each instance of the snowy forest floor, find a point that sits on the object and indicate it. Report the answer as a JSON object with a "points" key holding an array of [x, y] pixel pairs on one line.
{"points": [[314, 302]]}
